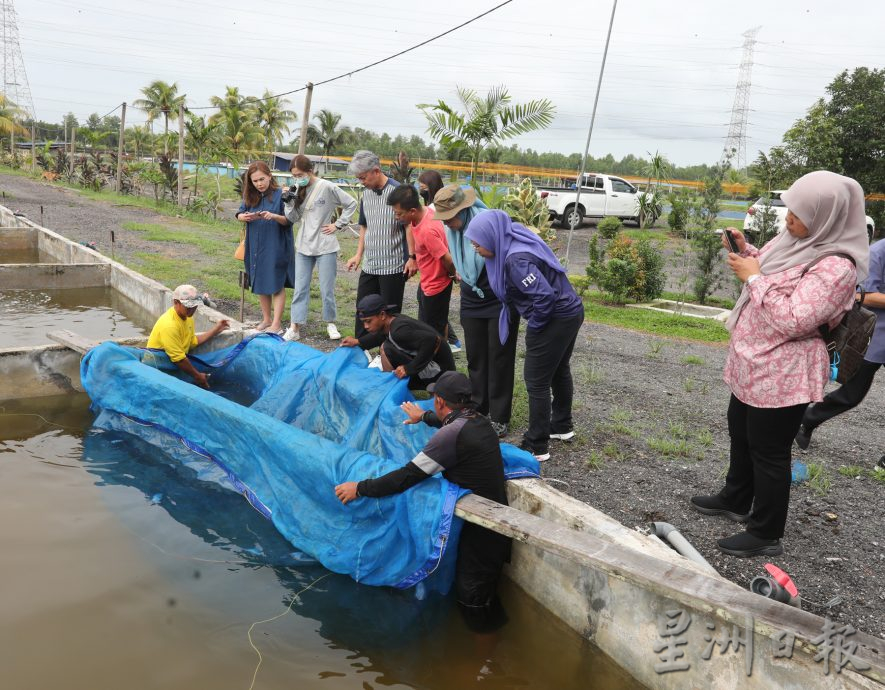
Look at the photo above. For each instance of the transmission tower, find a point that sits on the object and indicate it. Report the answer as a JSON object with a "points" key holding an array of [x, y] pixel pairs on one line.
{"points": [[15, 81], [736, 142]]}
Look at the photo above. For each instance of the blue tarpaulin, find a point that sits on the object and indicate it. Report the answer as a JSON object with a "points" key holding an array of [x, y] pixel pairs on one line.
{"points": [[283, 424]]}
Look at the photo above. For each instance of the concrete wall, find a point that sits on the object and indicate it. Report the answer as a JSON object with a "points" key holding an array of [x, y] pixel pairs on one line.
{"points": [[53, 276], [625, 581], [17, 239]]}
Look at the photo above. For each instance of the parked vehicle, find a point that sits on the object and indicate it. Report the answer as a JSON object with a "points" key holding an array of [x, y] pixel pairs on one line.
{"points": [[780, 210], [601, 196]]}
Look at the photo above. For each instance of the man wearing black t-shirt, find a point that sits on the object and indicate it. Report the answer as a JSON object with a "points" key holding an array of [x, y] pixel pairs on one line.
{"points": [[408, 347], [467, 452]]}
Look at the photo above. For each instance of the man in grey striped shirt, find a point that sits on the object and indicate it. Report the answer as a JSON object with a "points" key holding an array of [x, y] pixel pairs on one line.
{"points": [[386, 249]]}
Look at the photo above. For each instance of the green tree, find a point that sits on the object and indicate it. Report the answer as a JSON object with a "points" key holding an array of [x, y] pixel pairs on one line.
{"points": [[160, 98], [484, 121], [10, 114], [273, 118], [326, 133], [238, 120], [139, 138]]}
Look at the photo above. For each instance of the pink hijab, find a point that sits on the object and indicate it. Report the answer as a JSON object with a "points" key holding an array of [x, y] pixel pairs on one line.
{"points": [[831, 206]]}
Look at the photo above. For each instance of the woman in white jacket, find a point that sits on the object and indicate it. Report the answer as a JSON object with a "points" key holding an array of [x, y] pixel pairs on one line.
{"points": [[314, 204]]}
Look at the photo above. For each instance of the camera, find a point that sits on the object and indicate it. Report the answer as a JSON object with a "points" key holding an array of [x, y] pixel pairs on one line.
{"points": [[288, 196]]}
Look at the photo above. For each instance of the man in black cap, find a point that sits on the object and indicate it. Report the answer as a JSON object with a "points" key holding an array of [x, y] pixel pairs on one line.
{"points": [[467, 452], [408, 347]]}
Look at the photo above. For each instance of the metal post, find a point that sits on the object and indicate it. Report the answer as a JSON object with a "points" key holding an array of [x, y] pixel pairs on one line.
{"points": [[73, 149], [302, 142], [589, 134], [120, 151], [181, 154], [33, 146]]}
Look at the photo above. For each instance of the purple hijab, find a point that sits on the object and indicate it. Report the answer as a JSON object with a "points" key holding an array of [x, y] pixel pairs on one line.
{"points": [[493, 230]]}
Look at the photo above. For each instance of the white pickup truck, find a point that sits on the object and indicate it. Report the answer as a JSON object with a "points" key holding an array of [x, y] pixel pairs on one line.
{"points": [[601, 195]]}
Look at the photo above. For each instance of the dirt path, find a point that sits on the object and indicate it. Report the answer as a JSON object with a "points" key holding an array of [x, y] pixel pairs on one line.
{"points": [[650, 415]]}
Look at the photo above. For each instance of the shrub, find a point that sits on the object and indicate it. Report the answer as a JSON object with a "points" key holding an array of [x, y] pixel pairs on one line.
{"points": [[680, 204], [633, 270], [526, 207], [609, 227]]}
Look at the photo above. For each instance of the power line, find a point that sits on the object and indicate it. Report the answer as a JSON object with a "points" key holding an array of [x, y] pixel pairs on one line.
{"points": [[373, 64]]}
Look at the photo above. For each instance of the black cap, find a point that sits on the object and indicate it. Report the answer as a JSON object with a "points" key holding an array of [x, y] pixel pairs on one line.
{"points": [[370, 305], [452, 386]]}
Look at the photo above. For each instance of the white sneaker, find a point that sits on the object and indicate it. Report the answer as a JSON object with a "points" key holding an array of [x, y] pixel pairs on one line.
{"points": [[376, 363], [368, 355], [567, 436], [291, 335], [332, 330]]}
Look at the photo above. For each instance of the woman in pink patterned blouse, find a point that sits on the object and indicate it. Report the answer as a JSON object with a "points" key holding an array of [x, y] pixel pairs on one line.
{"points": [[777, 362]]}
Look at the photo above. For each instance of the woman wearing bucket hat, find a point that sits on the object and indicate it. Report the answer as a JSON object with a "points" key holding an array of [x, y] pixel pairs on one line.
{"points": [[490, 363], [777, 362], [525, 274]]}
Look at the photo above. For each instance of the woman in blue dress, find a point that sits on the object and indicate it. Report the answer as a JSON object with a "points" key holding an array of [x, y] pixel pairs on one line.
{"points": [[270, 245]]}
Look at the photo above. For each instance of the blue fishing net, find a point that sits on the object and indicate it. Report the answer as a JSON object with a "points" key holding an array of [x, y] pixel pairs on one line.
{"points": [[282, 425]]}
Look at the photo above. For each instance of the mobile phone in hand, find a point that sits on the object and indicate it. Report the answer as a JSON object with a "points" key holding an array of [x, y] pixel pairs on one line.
{"points": [[732, 242]]}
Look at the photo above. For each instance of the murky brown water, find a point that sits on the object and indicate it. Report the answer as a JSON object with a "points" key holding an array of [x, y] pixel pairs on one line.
{"points": [[94, 313], [123, 571], [23, 256]]}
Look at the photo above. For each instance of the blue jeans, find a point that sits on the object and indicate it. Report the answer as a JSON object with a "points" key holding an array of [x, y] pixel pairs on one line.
{"points": [[327, 267]]}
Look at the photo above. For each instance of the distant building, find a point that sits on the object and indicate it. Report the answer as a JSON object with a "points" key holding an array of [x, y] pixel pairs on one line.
{"points": [[322, 166]]}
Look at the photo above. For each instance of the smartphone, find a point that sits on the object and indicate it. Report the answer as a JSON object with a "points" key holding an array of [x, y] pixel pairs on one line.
{"points": [[732, 242]]}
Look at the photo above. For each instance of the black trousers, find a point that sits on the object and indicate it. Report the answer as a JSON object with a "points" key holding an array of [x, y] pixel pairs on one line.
{"points": [[390, 287], [490, 365], [434, 309], [759, 472], [848, 395], [547, 368]]}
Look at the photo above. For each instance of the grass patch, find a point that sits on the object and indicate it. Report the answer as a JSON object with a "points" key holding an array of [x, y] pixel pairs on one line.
{"points": [[656, 323], [595, 460], [852, 471], [688, 385], [671, 447], [704, 438], [693, 360], [637, 234], [818, 478], [721, 302], [613, 451], [619, 424], [877, 474]]}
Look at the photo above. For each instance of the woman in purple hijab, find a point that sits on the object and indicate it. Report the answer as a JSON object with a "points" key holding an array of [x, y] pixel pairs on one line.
{"points": [[526, 275]]}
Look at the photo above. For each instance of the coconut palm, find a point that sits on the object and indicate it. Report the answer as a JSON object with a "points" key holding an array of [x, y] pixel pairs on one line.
{"points": [[274, 118], [139, 138], [9, 113], [160, 98], [326, 133], [238, 119], [205, 141], [485, 121]]}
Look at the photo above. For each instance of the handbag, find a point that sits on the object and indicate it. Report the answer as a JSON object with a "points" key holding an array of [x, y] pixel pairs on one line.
{"points": [[240, 251], [847, 343]]}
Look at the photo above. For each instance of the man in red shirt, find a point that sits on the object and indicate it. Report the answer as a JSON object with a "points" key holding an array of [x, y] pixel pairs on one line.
{"points": [[435, 266]]}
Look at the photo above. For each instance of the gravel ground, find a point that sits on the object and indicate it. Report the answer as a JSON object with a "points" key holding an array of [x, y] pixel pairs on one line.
{"points": [[650, 415]]}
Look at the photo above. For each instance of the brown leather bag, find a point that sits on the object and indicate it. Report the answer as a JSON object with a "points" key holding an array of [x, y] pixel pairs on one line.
{"points": [[240, 251]]}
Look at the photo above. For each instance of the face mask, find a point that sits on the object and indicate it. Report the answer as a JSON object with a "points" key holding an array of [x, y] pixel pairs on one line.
{"points": [[302, 181]]}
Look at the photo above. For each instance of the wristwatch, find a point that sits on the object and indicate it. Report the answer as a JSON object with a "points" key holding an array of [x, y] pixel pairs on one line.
{"points": [[413, 256]]}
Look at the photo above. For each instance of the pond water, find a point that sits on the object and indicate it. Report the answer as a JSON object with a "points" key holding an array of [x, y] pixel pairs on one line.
{"points": [[30, 255], [94, 313], [123, 570]]}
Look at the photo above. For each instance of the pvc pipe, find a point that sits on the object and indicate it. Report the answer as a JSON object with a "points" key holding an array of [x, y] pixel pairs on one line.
{"points": [[667, 532]]}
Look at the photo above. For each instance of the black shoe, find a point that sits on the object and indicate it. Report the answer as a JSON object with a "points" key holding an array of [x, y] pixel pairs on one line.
{"points": [[713, 505], [882, 461], [803, 438], [745, 544], [541, 455]]}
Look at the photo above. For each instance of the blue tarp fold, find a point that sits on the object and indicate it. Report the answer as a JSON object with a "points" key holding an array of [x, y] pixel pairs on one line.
{"points": [[297, 423]]}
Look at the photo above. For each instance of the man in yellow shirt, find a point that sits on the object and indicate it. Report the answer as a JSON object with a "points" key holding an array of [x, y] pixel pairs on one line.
{"points": [[174, 331]]}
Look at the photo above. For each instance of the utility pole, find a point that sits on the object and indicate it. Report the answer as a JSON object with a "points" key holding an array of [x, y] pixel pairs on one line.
{"points": [[302, 142], [33, 146], [181, 153], [73, 148], [120, 150]]}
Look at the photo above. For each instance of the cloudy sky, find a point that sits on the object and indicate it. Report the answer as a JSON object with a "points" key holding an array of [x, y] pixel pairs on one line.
{"points": [[669, 82]]}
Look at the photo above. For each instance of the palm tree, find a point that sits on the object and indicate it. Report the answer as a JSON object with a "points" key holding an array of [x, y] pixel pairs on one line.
{"points": [[238, 120], [485, 121], [160, 98], [274, 118], [9, 113], [139, 138], [327, 134], [205, 142]]}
